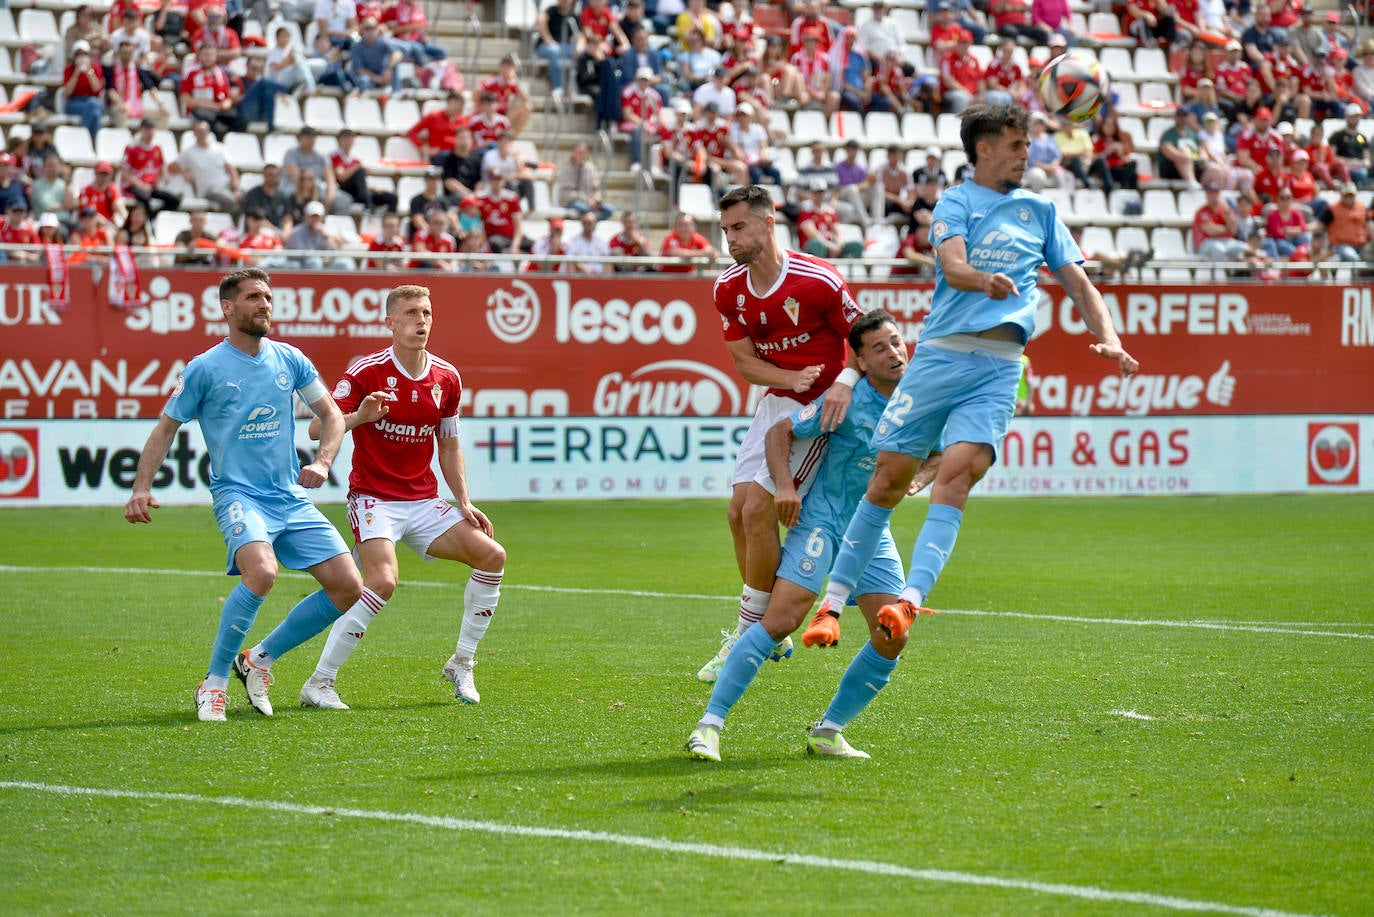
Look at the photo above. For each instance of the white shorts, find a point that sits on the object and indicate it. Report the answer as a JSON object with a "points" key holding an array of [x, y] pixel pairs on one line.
{"points": [[415, 523], [751, 463]]}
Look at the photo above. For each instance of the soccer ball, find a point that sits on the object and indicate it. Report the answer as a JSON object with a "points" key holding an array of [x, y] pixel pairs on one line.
{"points": [[1074, 86]]}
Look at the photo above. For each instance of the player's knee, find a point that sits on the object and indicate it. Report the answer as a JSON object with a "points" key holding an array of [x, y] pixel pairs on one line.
{"points": [[782, 622], [383, 583], [735, 517], [494, 559], [346, 594], [259, 578]]}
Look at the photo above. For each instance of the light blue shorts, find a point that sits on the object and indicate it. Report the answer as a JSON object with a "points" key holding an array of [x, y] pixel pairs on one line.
{"points": [[967, 396], [298, 532], [808, 552]]}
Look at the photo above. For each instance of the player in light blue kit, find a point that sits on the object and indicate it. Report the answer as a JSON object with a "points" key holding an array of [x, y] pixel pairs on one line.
{"points": [[241, 392], [814, 527], [990, 238]]}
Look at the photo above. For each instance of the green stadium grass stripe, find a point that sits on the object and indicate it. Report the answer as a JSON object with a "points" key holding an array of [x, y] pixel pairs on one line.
{"points": [[1271, 628], [1085, 892]]}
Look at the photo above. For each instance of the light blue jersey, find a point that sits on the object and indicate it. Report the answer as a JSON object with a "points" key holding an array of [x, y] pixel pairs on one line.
{"points": [[1012, 234], [841, 481], [244, 406]]}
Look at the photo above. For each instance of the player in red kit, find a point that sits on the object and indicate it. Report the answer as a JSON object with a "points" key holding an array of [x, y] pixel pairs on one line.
{"points": [[786, 316], [398, 402]]}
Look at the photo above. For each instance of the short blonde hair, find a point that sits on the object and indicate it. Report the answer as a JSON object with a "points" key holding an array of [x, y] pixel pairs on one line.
{"points": [[405, 294]]}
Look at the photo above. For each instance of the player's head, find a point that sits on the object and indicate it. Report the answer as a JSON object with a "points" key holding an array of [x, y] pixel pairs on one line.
{"points": [[877, 342], [746, 217], [995, 142], [246, 298], [409, 315]]}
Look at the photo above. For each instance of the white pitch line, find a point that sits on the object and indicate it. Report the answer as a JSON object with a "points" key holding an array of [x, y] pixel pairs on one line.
{"points": [[1273, 628], [949, 877]]}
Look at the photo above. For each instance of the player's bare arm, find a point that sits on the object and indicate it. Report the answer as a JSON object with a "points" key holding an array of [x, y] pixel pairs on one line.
{"points": [[454, 469], [155, 450], [331, 437], [961, 275], [777, 448], [370, 410], [758, 371], [840, 393], [1090, 306]]}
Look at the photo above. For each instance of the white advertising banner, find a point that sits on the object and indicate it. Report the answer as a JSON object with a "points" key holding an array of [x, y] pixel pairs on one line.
{"points": [[92, 463]]}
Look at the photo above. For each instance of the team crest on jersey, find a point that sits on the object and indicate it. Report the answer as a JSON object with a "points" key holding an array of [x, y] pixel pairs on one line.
{"points": [[181, 385], [283, 381], [938, 229], [1023, 214], [739, 303], [438, 394], [792, 308], [367, 517], [809, 411], [390, 381], [342, 389]]}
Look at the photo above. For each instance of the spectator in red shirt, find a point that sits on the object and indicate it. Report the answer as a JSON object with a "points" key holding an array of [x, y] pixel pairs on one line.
{"points": [[434, 238], [103, 195], [1216, 229], [433, 133], [916, 250], [1012, 19], [630, 243], [389, 240], [206, 94], [961, 76], [1327, 167], [15, 229], [1287, 230], [92, 234], [83, 84], [350, 174], [259, 235], [217, 33], [503, 221], [818, 229], [686, 243], [512, 99], [1272, 178]]}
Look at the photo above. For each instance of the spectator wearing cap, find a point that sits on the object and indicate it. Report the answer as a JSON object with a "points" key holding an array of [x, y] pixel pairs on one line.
{"points": [[91, 233], [104, 195], [635, 18], [1254, 142], [430, 196], [814, 68], [931, 174], [1204, 102], [1230, 76], [1328, 168], [1348, 226], [684, 243], [1319, 95], [559, 41], [1337, 38], [1352, 146], [586, 244], [880, 34], [1283, 64], [641, 56], [304, 156], [50, 231], [196, 244], [1153, 23], [17, 229], [212, 176], [555, 244], [373, 61], [270, 199], [630, 243], [512, 99], [1214, 160], [487, 124], [83, 85], [433, 133], [1288, 230], [748, 140], [698, 60], [1178, 151], [1012, 19], [50, 195], [313, 236], [813, 20], [470, 217], [641, 111], [961, 76], [352, 175], [944, 28], [715, 91], [143, 170], [1303, 183], [461, 167], [1216, 228], [579, 184], [207, 95]]}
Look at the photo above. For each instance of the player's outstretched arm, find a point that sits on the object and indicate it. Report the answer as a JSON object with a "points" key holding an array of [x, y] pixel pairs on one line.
{"points": [[1090, 306], [331, 437], [777, 450], [141, 498], [372, 409], [454, 469]]}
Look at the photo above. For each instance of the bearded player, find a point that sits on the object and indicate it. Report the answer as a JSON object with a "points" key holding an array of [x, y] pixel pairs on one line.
{"points": [[398, 402], [785, 316]]}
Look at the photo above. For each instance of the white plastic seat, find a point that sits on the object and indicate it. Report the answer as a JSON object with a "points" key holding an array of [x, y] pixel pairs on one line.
{"points": [[1118, 63], [168, 223], [401, 149], [808, 126], [1103, 25], [244, 151], [368, 151], [275, 146], [1157, 97], [400, 115], [1159, 207], [848, 125], [697, 201], [73, 144], [1098, 240], [1093, 201], [1150, 63], [38, 26], [407, 186], [323, 114], [288, 117], [947, 131], [110, 143], [363, 114], [882, 129], [918, 128]]}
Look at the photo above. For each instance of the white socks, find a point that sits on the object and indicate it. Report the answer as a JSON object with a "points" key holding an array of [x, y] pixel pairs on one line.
{"points": [[479, 601], [752, 604], [346, 632]]}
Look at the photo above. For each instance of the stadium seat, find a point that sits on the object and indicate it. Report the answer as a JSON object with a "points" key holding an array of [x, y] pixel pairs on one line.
{"points": [[400, 115], [7, 72], [697, 201], [368, 151], [168, 223], [1154, 129], [9, 35], [1157, 97], [1093, 201], [1167, 242], [217, 221], [1118, 64], [1151, 64], [1160, 208], [1104, 25], [807, 126], [521, 15], [1132, 239], [288, 115], [882, 129], [883, 242], [73, 144], [275, 146], [1099, 240], [110, 143], [771, 19], [780, 120], [848, 125], [363, 114], [243, 150], [918, 128], [786, 162], [947, 131], [783, 234], [401, 149], [1126, 98], [407, 186], [543, 202], [1136, 128], [1190, 201], [322, 113], [1118, 201], [38, 27]]}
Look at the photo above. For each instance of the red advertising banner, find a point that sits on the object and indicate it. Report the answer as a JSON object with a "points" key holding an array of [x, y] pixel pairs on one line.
{"points": [[649, 346]]}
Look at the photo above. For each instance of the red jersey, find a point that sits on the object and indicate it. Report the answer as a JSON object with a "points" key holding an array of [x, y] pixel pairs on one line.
{"points": [[92, 82], [597, 23], [438, 129], [1304, 186], [1189, 77], [260, 242], [629, 248], [964, 69], [824, 220], [340, 162], [815, 71], [499, 213], [144, 161], [367, 9], [1285, 66], [1258, 145], [673, 246], [945, 33], [1276, 225], [1005, 73], [503, 91], [377, 245], [426, 241], [226, 39], [645, 104], [713, 137], [407, 20], [102, 199], [802, 321], [207, 88], [391, 457], [1208, 216], [1011, 12], [1269, 184], [100, 238], [1234, 76], [485, 130], [1313, 79], [794, 42], [17, 234]]}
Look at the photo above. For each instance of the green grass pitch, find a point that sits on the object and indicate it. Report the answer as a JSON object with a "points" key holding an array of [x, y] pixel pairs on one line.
{"points": [[1129, 706]]}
